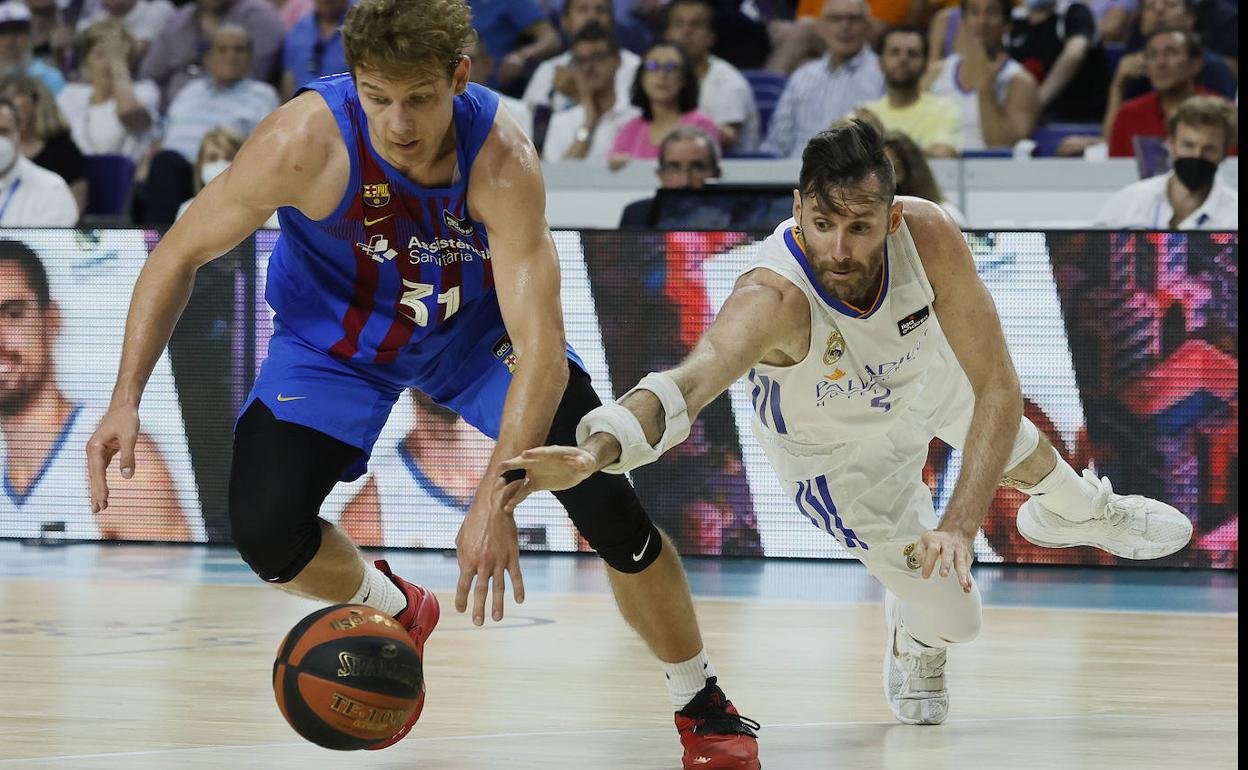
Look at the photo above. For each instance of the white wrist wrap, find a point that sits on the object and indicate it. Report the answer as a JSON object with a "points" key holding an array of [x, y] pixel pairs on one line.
{"points": [[621, 423]]}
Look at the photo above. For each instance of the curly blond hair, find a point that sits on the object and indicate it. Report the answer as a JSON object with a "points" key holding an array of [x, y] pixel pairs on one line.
{"points": [[402, 38]]}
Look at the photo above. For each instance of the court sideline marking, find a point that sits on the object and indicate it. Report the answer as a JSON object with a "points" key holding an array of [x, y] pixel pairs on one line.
{"points": [[621, 731]]}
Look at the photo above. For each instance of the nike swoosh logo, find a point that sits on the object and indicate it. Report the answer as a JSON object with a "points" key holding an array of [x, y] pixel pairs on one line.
{"points": [[637, 556], [280, 397], [370, 222]]}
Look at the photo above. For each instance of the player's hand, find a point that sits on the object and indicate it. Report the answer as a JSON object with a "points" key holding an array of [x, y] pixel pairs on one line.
{"points": [[978, 70], [488, 546], [565, 82], [547, 467], [511, 67], [116, 435], [951, 550], [1131, 66]]}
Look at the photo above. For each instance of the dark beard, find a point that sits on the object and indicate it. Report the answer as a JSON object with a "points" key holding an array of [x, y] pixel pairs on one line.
{"points": [[864, 290], [904, 85], [14, 402]]}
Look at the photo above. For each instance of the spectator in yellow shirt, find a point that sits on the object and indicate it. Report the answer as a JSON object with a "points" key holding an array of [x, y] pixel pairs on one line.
{"points": [[932, 121]]}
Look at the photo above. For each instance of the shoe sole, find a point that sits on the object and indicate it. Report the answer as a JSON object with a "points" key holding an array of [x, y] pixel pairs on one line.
{"points": [[737, 765], [1026, 520]]}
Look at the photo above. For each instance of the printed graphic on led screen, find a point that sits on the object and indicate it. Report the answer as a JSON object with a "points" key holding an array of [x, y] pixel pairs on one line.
{"points": [[63, 302], [1125, 345]]}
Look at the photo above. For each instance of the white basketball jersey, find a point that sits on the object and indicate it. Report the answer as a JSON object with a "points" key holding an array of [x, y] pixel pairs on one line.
{"points": [[417, 513], [58, 495], [864, 368], [946, 84]]}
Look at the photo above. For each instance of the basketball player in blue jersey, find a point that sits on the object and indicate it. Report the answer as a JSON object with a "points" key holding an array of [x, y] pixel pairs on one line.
{"points": [[865, 332], [414, 252]]}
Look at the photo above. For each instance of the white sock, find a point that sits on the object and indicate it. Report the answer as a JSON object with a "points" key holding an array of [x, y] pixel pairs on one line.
{"points": [[380, 592], [687, 678], [1066, 493]]}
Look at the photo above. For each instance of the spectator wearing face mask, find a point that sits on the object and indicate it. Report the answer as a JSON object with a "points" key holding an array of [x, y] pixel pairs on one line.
{"points": [[216, 152], [30, 196], [1190, 197]]}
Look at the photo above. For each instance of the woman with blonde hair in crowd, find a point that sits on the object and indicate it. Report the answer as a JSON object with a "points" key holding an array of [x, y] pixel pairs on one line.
{"points": [[914, 176], [45, 135], [109, 113], [216, 151]]}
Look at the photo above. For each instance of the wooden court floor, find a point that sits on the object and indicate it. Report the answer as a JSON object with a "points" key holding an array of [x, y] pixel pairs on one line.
{"points": [[144, 674]]}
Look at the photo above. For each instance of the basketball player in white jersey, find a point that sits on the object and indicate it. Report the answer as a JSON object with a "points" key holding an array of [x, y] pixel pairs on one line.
{"points": [[44, 482], [865, 332]]}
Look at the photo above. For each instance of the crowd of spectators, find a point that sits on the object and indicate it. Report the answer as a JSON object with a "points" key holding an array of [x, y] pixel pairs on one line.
{"points": [[606, 81]]}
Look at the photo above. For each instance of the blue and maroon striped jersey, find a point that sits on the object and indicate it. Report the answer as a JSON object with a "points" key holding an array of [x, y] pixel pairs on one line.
{"points": [[385, 273]]}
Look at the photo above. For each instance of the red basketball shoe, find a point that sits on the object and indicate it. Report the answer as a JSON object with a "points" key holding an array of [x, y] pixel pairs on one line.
{"points": [[714, 735], [420, 618]]}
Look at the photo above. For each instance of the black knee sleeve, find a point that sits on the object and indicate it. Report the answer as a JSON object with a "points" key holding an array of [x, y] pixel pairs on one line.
{"points": [[280, 474], [604, 507]]}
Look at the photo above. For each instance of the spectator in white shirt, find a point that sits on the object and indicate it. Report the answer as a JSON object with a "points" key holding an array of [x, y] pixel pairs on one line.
{"points": [[998, 99], [227, 97], [725, 94], [143, 19], [1190, 197], [587, 131], [30, 196], [824, 90], [552, 85], [110, 114]]}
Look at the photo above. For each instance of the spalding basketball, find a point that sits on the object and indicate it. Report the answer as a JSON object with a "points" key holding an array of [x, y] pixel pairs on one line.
{"points": [[347, 677]]}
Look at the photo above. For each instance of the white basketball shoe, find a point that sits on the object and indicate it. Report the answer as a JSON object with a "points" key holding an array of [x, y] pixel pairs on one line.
{"points": [[1130, 526], [914, 674]]}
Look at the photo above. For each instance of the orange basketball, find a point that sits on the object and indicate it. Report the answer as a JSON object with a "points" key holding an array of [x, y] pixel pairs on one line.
{"points": [[347, 677]]}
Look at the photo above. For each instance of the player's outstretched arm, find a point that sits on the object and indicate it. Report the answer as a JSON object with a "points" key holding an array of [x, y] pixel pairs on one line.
{"points": [[277, 166], [765, 318], [969, 320], [506, 192]]}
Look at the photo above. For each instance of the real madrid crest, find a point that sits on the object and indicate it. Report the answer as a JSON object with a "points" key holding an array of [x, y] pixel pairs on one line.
{"points": [[377, 195], [836, 348], [911, 560]]}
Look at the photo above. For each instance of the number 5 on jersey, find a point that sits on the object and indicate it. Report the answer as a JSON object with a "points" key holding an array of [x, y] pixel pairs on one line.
{"points": [[413, 298]]}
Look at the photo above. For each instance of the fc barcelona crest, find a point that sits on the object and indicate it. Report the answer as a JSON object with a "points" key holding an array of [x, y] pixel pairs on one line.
{"points": [[377, 195], [835, 349]]}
